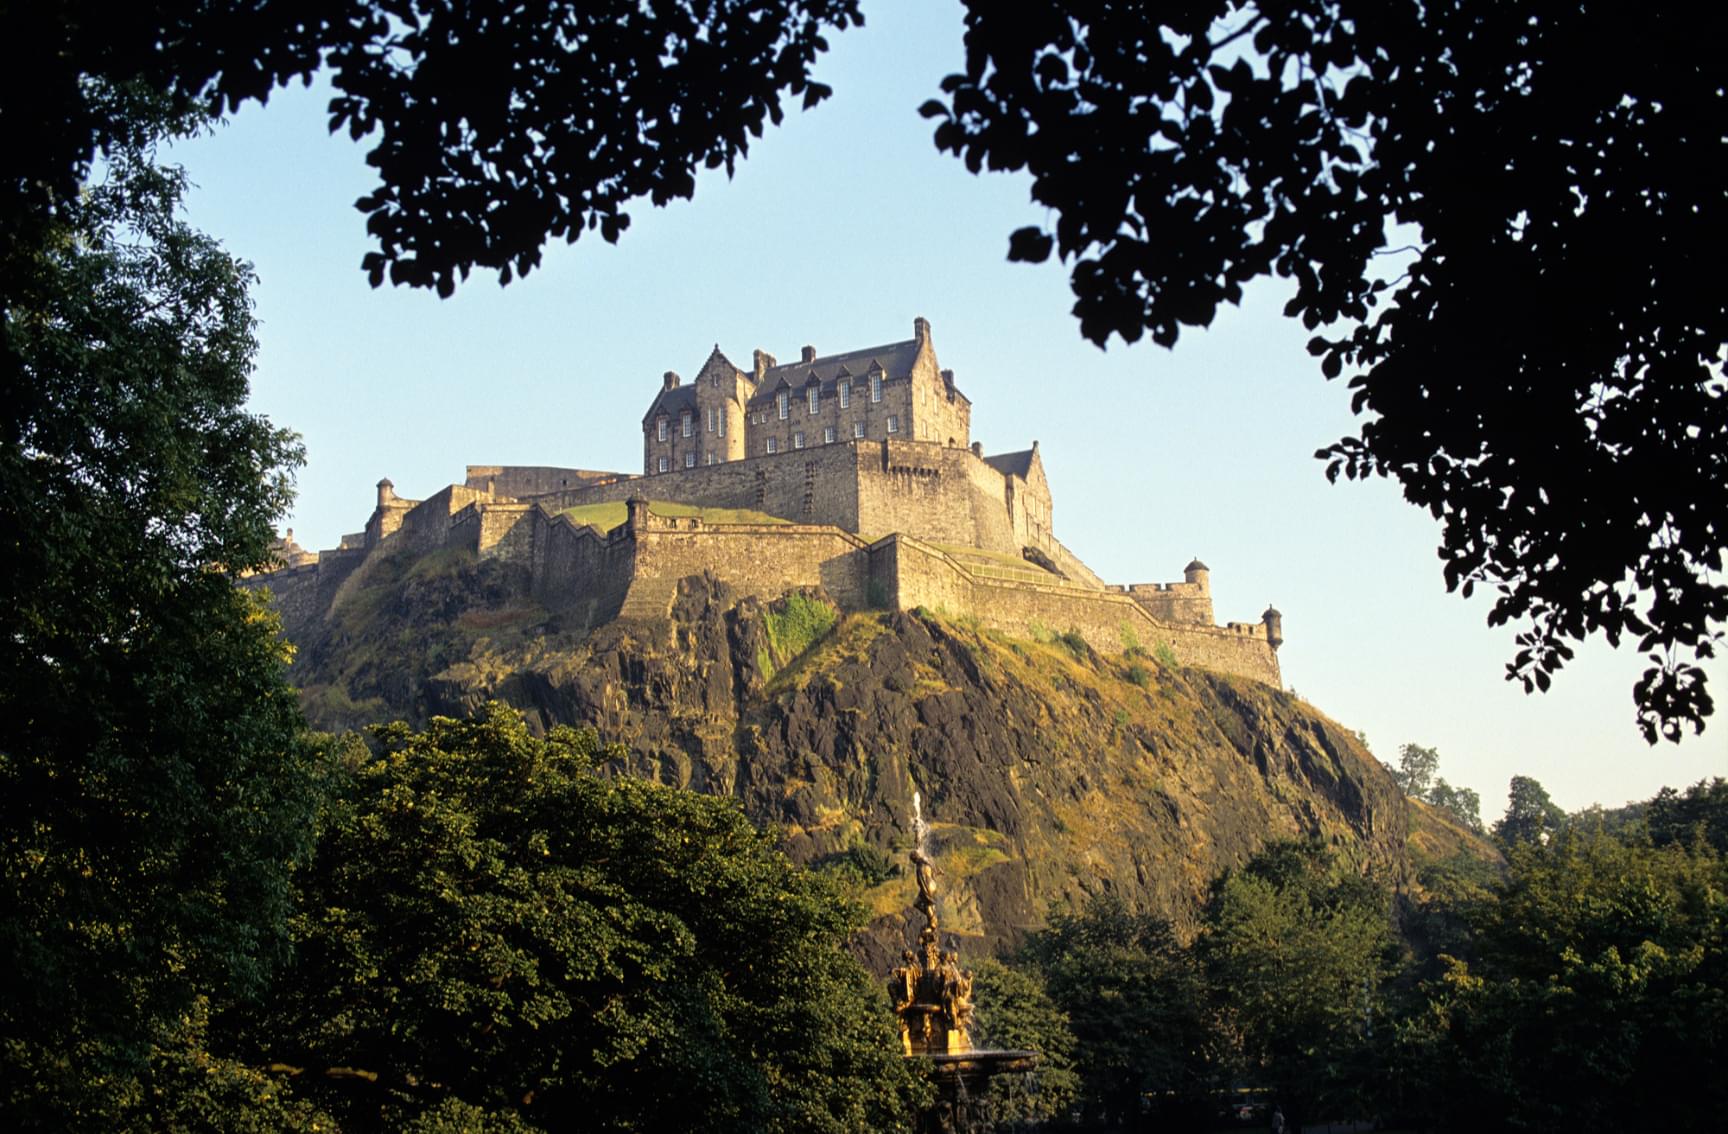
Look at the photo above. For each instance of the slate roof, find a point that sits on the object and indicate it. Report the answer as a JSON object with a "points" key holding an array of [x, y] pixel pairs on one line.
{"points": [[895, 359], [1012, 464], [671, 402]]}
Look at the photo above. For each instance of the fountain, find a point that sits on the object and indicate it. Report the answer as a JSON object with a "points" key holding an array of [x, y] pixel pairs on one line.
{"points": [[933, 998]]}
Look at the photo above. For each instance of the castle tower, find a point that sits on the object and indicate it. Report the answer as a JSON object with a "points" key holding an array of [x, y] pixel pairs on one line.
{"points": [[1274, 622]]}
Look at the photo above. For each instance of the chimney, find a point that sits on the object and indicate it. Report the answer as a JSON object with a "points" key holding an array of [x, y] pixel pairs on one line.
{"points": [[809, 354], [977, 446], [670, 380], [921, 329], [764, 360]]}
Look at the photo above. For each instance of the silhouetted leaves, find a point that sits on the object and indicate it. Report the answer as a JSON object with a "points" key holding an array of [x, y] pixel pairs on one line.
{"points": [[494, 127], [1544, 376]]}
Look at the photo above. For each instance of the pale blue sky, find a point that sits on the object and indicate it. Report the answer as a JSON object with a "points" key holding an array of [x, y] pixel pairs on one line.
{"points": [[840, 227]]}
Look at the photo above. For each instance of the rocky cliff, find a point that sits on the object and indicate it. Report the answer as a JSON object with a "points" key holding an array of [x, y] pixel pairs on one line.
{"points": [[1045, 771]]}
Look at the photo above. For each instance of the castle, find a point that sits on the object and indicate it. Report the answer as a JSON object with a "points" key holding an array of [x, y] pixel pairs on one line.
{"points": [[854, 472]]}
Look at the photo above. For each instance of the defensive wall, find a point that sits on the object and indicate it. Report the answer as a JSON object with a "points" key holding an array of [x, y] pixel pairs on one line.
{"points": [[935, 492], [593, 576]]}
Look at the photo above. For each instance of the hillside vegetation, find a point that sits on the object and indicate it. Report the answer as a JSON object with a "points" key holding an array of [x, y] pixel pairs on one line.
{"points": [[1048, 773]]}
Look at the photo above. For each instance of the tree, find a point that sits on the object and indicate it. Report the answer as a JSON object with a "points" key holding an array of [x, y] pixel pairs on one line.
{"points": [[1297, 949], [1597, 999], [1530, 815], [1462, 803], [496, 127], [1415, 771], [1136, 1001], [1538, 365], [1700, 812], [154, 788], [494, 936], [1016, 1013]]}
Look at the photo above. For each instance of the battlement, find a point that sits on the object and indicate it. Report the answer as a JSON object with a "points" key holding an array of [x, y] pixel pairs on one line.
{"points": [[905, 511]]}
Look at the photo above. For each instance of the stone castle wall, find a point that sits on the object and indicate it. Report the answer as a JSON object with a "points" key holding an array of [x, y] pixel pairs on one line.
{"points": [[531, 480], [938, 493], [922, 575], [577, 570]]}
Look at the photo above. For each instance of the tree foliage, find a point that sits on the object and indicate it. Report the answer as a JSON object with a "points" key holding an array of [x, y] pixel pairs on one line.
{"points": [[1016, 1013], [1415, 777], [154, 791], [1544, 374], [1136, 1001], [494, 127], [1297, 948], [493, 936], [1597, 999], [1530, 815]]}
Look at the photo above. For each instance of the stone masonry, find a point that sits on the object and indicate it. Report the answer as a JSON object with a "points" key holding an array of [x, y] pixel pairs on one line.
{"points": [[890, 504]]}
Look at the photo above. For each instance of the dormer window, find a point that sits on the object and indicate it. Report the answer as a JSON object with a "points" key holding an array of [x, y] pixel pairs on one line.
{"points": [[660, 428], [813, 397], [845, 388], [781, 404], [876, 386]]}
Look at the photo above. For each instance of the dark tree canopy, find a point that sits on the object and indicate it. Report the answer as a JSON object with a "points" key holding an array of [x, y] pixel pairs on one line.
{"points": [[1544, 377], [154, 784], [495, 126], [492, 936]]}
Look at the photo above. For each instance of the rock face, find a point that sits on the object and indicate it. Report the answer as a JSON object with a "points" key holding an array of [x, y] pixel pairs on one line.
{"points": [[1045, 772]]}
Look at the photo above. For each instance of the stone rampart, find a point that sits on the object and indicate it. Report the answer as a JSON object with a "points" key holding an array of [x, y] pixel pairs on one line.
{"points": [[579, 569], [532, 480], [1172, 602], [917, 574], [762, 559]]}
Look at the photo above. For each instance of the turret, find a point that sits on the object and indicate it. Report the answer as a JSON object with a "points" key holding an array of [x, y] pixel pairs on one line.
{"points": [[1274, 626], [386, 491], [1198, 573]]}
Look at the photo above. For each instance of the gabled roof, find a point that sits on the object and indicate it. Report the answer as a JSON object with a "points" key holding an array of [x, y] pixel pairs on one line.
{"points": [[671, 403], [1012, 464]]}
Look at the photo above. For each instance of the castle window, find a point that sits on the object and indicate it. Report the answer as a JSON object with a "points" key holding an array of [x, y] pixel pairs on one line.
{"points": [[710, 419], [720, 416], [780, 404], [660, 429], [798, 439], [684, 423], [708, 458], [858, 430], [813, 396], [893, 424], [663, 464], [690, 460], [773, 445], [845, 389], [828, 435], [876, 386]]}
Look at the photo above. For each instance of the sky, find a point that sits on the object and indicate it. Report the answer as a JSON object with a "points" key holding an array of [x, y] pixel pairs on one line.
{"points": [[838, 229]]}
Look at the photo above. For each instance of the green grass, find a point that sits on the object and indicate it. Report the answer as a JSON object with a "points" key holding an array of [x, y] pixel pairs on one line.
{"points": [[797, 625], [609, 516]]}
